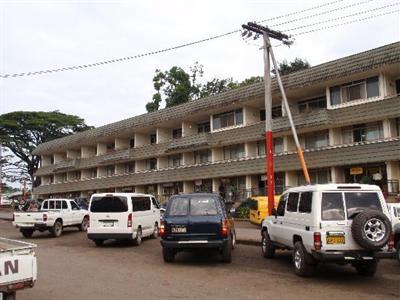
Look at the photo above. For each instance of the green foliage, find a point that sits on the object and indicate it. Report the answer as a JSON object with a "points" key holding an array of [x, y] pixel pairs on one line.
{"points": [[22, 131], [296, 65], [243, 212]]}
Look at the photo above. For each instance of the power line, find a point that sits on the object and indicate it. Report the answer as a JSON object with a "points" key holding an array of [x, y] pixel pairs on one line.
{"points": [[90, 65], [343, 17], [346, 23]]}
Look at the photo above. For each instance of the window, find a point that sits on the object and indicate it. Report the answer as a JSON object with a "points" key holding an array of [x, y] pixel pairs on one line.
{"points": [[109, 204], [110, 170], [280, 211], [110, 147], [51, 204], [74, 206], [64, 177], [305, 202], [278, 146], [312, 104], [153, 139], [64, 204], [202, 206], [356, 90], [276, 112], [315, 140], [332, 207], [178, 207], [174, 160], [397, 86], [130, 168], [58, 204], [228, 119], [362, 132], [292, 202], [202, 156], [177, 133], [132, 143], [155, 203], [234, 151], [151, 164], [203, 127], [317, 176], [46, 205], [93, 173], [140, 203], [360, 200]]}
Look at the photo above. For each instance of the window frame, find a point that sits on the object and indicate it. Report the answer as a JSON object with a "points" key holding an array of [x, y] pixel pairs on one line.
{"points": [[217, 119]]}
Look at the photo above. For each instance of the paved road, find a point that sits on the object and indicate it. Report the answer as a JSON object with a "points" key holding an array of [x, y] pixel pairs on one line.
{"points": [[71, 267]]}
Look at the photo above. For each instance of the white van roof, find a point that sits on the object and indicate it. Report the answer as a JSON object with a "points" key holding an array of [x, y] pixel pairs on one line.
{"points": [[122, 194], [334, 187]]}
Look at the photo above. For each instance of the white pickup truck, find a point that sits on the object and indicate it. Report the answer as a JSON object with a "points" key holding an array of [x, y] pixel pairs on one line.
{"points": [[17, 267], [54, 215]]}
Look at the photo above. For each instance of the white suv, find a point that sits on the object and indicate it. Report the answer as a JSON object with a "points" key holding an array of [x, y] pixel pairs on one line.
{"points": [[342, 223], [123, 216]]}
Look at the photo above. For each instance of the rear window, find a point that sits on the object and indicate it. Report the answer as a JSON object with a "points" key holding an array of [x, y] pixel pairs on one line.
{"points": [[178, 207], [332, 207], [201, 206], [361, 200], [109, 204]]}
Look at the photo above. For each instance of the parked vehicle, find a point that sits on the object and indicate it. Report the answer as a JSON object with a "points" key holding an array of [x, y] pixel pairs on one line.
{"points": [[123, 216], [54, 215], [194, 221], [341, 223], [394, 210], [18, 267], [259, 208]]}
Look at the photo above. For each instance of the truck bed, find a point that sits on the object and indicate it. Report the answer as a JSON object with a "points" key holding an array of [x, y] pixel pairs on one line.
{"points": [[9, 245]]}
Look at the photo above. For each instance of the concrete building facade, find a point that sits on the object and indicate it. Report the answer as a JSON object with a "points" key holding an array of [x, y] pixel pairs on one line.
{"points": [[347, 113]]}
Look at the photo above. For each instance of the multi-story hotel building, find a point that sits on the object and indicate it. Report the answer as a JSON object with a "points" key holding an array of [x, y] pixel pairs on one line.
{"points": [[347, 113]]}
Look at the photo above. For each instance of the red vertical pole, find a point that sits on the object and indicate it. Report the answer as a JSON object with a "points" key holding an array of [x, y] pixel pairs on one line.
{"points": [[269, 147]]}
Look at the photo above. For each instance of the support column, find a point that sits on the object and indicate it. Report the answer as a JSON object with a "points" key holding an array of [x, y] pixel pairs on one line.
{"points": [[139, 189], [215, 185], [393, 176], [337, 175], [217, 154], [291, 178], [188, 187]]}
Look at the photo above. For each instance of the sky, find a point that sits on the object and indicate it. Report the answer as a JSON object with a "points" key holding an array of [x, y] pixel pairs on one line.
{"points": [[40, 35]]}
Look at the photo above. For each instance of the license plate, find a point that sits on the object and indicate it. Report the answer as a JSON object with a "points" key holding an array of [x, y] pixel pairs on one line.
{"points": [[335, 239], [178, 229], [108, 224]]}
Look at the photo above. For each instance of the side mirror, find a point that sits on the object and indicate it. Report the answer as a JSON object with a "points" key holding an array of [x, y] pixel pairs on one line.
{"points": [[232, 210]]}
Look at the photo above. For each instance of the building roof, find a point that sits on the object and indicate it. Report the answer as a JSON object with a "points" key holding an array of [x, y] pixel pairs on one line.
{"points": [[353, 64]]}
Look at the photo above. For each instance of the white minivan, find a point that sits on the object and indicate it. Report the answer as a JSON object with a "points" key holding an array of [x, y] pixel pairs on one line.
{"points": [[123, 216]]}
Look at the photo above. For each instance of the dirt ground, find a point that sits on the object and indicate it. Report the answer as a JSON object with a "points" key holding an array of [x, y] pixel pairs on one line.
{"points": [[71, 267]]}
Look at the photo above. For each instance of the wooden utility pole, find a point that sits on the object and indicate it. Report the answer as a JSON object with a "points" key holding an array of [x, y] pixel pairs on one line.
{"points": [[268, 53]]}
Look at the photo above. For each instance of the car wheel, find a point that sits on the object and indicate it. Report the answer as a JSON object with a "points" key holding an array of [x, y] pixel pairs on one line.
{"points": [[154, 235], [168, 254], [27, 233], [226, 256], [398, 251], [371, 229], [99, 243], [302, 261], [84, 225], [367, 268], [138, 238], [9, 296], [233, 240], [267, 248], [57, 229]]}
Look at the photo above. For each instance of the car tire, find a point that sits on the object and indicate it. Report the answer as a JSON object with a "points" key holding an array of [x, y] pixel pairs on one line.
{"points": [[398, 251], [27, 233], [367, 268], [156, 231], [84, 225], [371, 229], [267, 248], [9, 296], [138, 239], [168, 254], [226, 255], [302, 261], [57, 229], [99, 243], [233, 240]]}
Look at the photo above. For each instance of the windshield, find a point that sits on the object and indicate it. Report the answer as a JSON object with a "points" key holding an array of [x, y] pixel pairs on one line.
{"points": [[360, 201], [109, 204]]}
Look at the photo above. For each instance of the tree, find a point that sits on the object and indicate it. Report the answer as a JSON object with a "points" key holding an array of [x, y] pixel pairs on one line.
{"points": [[296, 65], [22, 131]]}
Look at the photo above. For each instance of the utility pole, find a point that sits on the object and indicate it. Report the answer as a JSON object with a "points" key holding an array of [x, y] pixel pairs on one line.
{"points": [[268, 53], [1, 176]]}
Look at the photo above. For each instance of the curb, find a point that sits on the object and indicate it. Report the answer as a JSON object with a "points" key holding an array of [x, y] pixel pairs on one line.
{"points": [[248, 242]]}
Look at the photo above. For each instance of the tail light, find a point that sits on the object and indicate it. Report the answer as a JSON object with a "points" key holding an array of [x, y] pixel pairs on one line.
{"points": [[317, 241], [162, 228], [130, 220], [391, 242], [44, 217], [224, 228]]}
